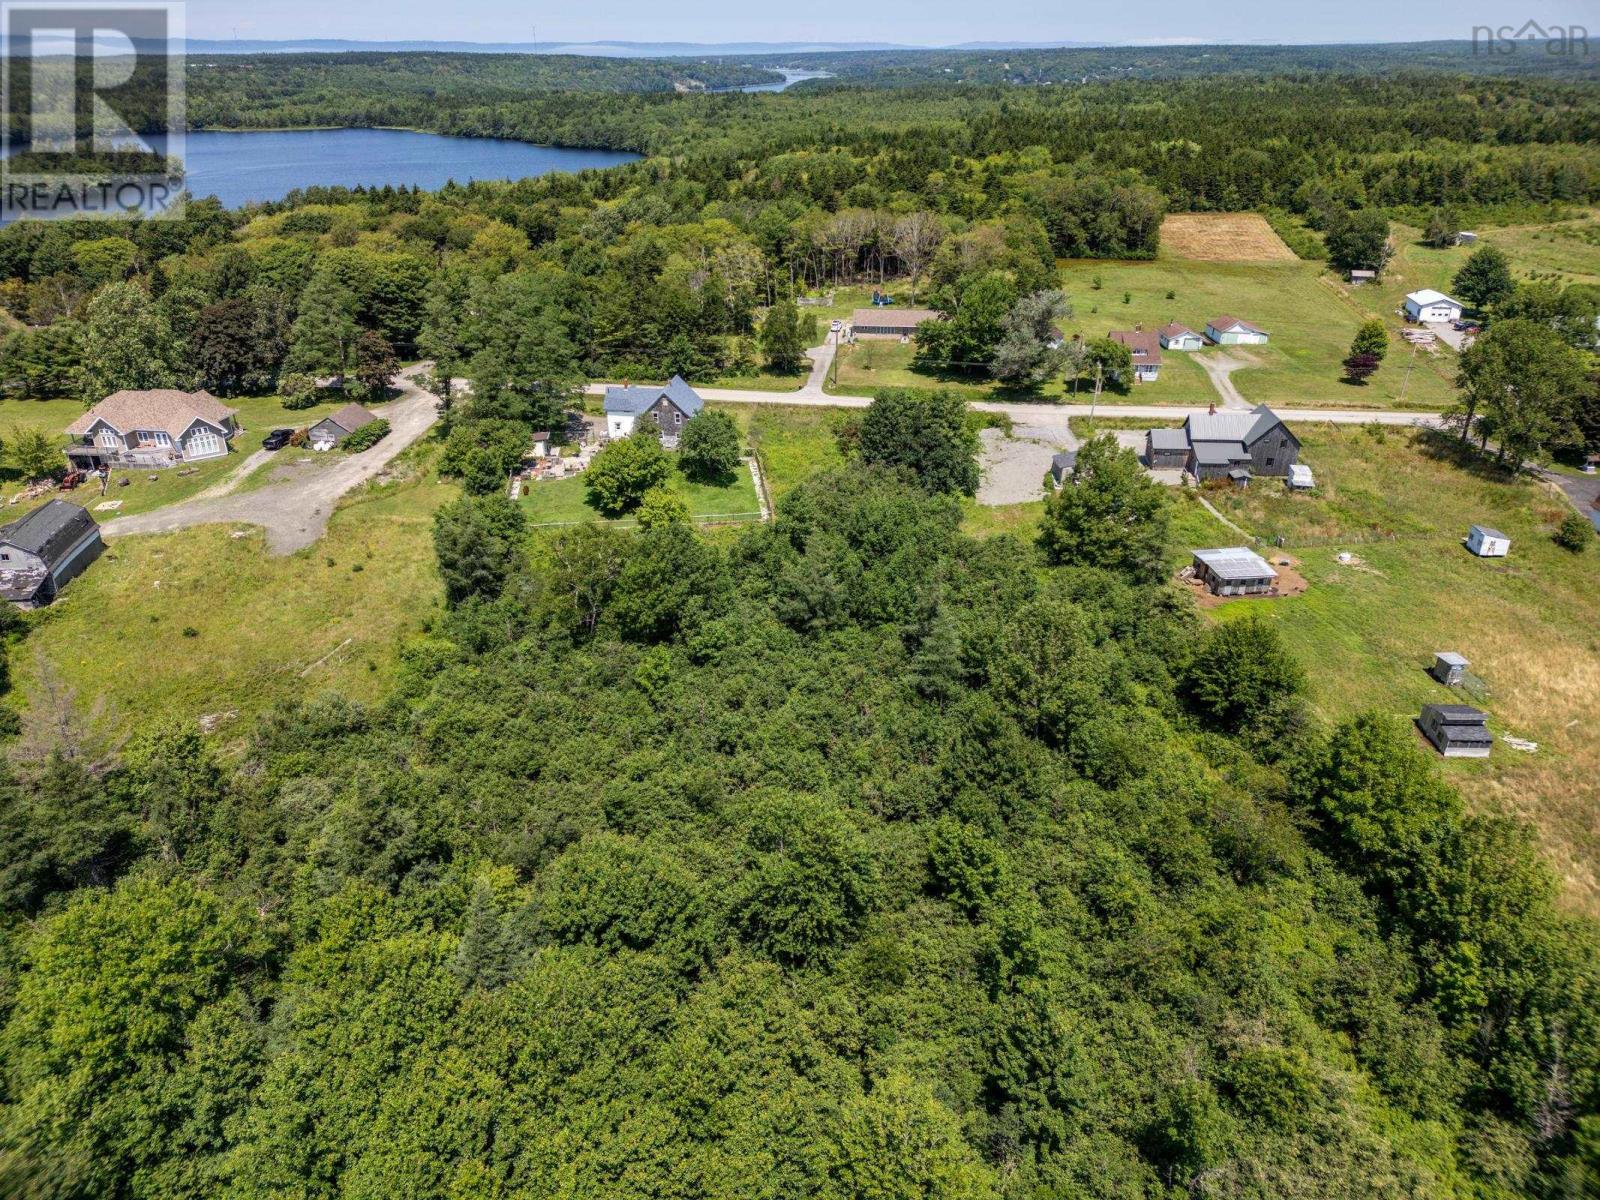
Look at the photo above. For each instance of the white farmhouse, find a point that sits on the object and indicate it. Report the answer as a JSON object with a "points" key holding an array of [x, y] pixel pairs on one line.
{"points": [[1428, 306], [1231, 331], [669, 408]]}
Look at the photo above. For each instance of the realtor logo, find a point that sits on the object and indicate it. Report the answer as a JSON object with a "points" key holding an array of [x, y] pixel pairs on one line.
{"points": [[93, 95], [1530, 36]]}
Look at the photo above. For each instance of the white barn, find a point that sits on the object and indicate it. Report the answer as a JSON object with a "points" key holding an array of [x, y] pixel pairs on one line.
{"points": [[1429, 306]]}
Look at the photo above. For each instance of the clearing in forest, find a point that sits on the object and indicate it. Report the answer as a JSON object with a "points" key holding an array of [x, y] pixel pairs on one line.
{"points": [[1222, 237]]}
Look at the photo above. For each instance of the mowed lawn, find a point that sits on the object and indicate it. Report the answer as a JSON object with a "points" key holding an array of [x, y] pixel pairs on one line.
{"points": [[206, 621], [148, 489], [555, 502], [1529, 623]]}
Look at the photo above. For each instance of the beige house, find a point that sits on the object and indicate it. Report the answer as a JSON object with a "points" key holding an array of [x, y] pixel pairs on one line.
{"points": [[158, 428]]}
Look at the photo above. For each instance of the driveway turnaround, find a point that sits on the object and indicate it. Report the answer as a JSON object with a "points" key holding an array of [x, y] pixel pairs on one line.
{"points": [[295, 513]]}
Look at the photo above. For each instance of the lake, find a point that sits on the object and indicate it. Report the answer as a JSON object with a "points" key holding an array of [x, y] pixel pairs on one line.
{"points": [[240, 167], [789, 77]]}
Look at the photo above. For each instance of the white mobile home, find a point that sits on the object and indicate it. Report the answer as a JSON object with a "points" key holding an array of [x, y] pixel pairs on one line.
{"points": [[1428, 306], [1486, 542]]}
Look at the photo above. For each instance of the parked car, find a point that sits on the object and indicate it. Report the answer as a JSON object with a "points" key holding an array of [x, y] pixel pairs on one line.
{"points": [[277, 439]]}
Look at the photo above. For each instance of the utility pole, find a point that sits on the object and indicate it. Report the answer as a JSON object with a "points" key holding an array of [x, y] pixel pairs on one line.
{"points": [[1410, 362], [1095, 399]]}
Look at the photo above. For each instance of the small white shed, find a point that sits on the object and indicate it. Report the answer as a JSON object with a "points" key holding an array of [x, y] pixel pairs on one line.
{"points": [[1300, 477], [1488, 543]]}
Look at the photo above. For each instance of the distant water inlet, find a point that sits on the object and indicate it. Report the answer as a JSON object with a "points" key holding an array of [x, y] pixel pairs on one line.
{"points": [[239, 168]]}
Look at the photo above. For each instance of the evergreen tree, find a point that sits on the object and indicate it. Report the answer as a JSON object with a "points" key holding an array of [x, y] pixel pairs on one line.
{"points": [[478, 541]]}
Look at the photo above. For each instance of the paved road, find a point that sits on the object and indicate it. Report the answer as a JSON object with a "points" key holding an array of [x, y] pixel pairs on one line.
{"points": [[295, 513], [1582, 490]]}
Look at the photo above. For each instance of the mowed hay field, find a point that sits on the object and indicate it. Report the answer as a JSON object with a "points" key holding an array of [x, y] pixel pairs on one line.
{"points": [[1222, 237], [1529, 623]]}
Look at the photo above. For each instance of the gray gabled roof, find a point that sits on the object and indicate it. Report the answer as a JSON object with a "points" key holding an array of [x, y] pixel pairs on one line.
{"points": [[1243, 427], [49, 531], [640, 399], [1489, 531], [1168, 439], [350, 418], [1061, 465]]}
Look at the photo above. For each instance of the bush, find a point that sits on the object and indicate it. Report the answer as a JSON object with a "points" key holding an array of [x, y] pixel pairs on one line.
{"points": [[1574, 533], [367, 436], [298, 391]]}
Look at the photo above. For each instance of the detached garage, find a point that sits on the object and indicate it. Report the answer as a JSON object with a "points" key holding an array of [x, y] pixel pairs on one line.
{"points": [[330, 431]]}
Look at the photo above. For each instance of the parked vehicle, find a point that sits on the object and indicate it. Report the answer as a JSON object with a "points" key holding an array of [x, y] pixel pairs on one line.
{"points": [[277, 439], [72, 479]]}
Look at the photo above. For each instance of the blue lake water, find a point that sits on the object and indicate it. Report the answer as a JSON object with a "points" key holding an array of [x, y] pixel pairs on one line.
{"points": [[240, 167]]}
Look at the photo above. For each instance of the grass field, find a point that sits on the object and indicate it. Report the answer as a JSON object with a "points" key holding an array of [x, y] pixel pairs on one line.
{"points": [[564, 502], [1222, 237], [205, 621], [1311, 320], [792, 442], [1530, 623]]}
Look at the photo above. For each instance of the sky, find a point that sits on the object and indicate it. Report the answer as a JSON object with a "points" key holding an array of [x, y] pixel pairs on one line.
{"points": [[913, 22]]}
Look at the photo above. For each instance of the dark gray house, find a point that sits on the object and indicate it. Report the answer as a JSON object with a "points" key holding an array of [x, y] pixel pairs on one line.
{"points": [[1166, 449], [1456, 730], [41, 552], [334, 428], [1226, 445], [668, 408]]}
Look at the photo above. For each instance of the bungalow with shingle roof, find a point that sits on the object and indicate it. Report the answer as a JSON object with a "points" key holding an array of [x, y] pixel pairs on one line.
{"points": [[890, 322], [1145, 350], [159, 427]]}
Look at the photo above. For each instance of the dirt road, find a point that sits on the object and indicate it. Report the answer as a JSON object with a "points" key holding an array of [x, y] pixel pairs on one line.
{"points": [[295, 513]]}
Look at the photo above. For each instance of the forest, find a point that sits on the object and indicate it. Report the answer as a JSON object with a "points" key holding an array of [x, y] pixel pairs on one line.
{"points": [[845, 856]]}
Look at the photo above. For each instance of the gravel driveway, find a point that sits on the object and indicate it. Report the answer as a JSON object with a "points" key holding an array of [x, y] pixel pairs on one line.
{"points": [[1014, 465], [295, 513]]}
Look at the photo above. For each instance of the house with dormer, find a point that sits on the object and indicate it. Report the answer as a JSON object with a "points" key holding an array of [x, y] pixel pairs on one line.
{"points": [[161, 427]]}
